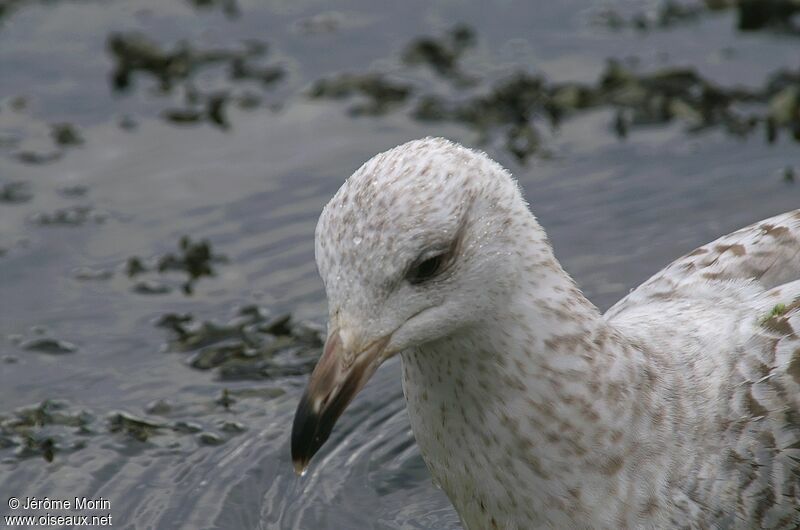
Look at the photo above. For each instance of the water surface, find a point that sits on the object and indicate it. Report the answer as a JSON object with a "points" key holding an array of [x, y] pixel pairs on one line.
{"points": [[253, 185]]}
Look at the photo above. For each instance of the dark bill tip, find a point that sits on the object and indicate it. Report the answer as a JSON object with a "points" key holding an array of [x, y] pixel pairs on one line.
{"points": [[311, 429], [331, 388], [306, 435]]}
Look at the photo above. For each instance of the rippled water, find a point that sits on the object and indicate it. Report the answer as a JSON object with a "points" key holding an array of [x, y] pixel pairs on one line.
{"points": [[615, 210]]}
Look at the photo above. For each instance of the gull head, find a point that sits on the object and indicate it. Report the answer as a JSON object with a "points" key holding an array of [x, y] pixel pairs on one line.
{"points": [[418, 244]]}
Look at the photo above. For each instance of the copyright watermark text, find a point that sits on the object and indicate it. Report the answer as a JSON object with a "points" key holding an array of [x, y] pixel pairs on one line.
{"points": [[78, 505]]}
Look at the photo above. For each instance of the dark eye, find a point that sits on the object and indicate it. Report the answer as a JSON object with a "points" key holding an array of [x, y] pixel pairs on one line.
{"points": [[425, 269]]}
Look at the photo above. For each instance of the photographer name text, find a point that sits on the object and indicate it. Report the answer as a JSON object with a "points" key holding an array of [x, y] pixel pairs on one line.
{"points": [[78, 503]]}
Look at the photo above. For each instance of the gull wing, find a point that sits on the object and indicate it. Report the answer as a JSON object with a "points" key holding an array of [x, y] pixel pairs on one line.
{"points": [[767, 252], [729, 314]]}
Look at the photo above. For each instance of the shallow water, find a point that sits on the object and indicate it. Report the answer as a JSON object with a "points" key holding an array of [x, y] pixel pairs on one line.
{"points": [[616, 210]]}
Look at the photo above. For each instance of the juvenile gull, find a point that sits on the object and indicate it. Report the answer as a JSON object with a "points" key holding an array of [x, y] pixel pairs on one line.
{"points": [[679, 407]]}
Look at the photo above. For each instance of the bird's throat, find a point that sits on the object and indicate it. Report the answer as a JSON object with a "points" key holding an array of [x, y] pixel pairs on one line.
{"points": [[524, 418]]}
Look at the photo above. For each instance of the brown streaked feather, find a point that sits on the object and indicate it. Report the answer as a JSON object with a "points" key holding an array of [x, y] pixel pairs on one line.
{"points": [[754, 272], [767, 252]]}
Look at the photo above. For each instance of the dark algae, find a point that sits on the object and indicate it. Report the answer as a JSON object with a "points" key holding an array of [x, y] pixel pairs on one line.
{"points": [[377, 94], [76, 215], [55, 427], [750, 15], [519, 111], [181, 67], [44, 430], [15, 192], [194, 259], [252, 345], [442, 55], [65, 134], [48, 345], [519, 108]]}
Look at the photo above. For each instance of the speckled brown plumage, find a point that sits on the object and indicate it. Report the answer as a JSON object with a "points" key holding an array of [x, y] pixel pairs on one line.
{"points": [[680, 407]]}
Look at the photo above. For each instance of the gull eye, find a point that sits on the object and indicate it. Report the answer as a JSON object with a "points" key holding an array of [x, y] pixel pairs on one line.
{"points": [[425, 269]]}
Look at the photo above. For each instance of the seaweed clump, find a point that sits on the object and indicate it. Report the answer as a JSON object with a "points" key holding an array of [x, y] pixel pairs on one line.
{"points": [[70, 216], [515, 105], [45, 429], [252, 345], [377, 93], [15, 192], [136, 54], [63, 136], [55, 427], [520, 108], [442, 54], [666, 15], [229, 7], [48, 345], [195, 259], [751, 15], [205, 422]]}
